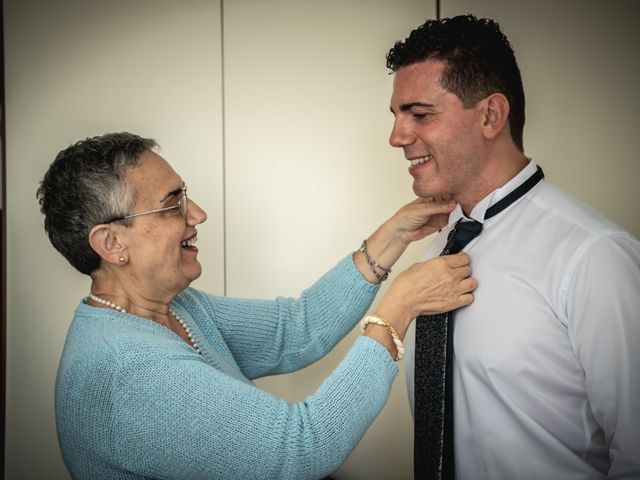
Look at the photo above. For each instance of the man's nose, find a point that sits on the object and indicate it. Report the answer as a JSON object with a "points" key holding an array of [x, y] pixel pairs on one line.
{"points": [[401, 134]]}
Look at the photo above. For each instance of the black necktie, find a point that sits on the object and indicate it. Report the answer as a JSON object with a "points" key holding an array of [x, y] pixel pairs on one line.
{"points": [[433, 376]]}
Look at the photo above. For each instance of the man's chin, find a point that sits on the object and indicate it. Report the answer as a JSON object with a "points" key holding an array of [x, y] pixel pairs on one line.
{"points": [[423, 191]]}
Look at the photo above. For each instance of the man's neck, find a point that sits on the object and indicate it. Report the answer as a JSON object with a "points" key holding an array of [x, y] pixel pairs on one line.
{"points": [[495, 174]]}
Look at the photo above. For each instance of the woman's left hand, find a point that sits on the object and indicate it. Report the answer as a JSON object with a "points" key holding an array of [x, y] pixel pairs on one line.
{"points": [[412, 222], [420, 218]]}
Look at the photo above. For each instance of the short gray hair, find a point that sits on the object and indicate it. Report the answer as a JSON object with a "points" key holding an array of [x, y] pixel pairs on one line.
{"points": [[83, 187]]}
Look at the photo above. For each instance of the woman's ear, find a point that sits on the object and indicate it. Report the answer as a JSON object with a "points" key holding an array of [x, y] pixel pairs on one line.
{"points": [[496, 115], [107, 242]]}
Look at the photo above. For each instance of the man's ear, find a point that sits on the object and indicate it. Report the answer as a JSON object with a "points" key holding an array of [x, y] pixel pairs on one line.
{"points": [[496, 114], [107, 242]]}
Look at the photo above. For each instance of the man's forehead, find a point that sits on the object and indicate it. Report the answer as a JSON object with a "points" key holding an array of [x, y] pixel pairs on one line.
{"points": [[416, 83], [425, 72]]}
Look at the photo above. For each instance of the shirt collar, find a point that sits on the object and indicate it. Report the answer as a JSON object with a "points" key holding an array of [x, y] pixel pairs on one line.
{"points": [[480, 209]]}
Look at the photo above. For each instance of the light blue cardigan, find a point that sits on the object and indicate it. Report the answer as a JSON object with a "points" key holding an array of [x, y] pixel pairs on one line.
{"points": [[133, 400]]}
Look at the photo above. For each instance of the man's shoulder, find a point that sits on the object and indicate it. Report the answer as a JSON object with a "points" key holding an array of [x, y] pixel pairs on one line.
{"points": [[561, 208], [573, 230]]}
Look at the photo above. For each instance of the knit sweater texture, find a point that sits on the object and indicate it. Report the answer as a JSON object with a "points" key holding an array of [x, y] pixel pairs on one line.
{"points": [[134, 401]]}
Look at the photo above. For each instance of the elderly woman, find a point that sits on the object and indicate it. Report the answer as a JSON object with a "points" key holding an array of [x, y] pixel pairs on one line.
{"points": [[155, 377]]}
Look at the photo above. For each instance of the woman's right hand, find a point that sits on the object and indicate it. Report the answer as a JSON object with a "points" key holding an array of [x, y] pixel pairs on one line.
{"points": [[438, 285]]}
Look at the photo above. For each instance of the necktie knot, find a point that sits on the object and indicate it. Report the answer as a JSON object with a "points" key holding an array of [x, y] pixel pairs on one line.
{"points": [[461, 234]]}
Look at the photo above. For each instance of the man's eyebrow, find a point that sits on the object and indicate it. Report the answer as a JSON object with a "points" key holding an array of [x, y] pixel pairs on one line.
{"points": [[408, 106], [174, 192]]}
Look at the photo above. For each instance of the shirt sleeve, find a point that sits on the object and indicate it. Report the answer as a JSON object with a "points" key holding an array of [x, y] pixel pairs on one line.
{"points": [[269, 337], [604, 324], [179, 418]]}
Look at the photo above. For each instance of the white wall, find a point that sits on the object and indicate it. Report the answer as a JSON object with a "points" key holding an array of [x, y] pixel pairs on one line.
{"points": [[309, 172], [305, 172]]}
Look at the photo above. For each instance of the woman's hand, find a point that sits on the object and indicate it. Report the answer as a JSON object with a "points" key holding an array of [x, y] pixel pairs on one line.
{"points": [[412, 222], [435, 286], [420, 218]]}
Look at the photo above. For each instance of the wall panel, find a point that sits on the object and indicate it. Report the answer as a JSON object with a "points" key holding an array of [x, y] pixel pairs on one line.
{"points": [[308, 168]]}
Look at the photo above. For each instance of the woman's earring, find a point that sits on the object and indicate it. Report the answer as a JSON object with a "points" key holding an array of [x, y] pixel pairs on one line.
{"points": [[122, 259]]}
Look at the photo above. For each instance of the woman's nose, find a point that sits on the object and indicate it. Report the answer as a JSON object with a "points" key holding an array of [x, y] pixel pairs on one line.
{"points": [[195, 214]]}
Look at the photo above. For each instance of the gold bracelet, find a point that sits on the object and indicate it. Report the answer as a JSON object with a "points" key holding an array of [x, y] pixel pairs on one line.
{"points": [[378, 320]]}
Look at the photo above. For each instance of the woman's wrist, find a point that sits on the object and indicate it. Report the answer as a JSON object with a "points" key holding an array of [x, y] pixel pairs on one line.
{"points": [[399, 318], [391, 341], [381, 273], [390, 239], [378, 253]]}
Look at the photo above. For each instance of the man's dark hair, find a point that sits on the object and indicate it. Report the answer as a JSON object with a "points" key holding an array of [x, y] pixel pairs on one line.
{"points": [[83, 187], [479, 61]]}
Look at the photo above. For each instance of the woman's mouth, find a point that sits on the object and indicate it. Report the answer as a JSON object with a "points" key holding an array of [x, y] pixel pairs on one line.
{"points": [[189, 242]]}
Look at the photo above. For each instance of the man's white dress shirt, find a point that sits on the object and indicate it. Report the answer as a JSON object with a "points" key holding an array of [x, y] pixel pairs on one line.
{"points": [[547, 358]]}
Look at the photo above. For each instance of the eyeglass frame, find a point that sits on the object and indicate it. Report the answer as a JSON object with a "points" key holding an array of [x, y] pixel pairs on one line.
{"points": [[181, 206]]}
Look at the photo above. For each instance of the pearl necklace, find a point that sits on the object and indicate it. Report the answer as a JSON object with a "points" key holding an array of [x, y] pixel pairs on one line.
{"points": [[182, 323]]}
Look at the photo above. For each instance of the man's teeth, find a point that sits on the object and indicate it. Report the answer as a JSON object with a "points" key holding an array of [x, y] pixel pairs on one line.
{"points": [[189, 243], [420, 161]]}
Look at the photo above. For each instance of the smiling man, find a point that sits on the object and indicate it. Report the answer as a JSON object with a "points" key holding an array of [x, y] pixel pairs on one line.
{"points": [[538, 378]]}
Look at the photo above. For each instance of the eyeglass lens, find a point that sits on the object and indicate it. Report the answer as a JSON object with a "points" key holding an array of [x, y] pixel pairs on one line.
{"points": [[182, 203]]}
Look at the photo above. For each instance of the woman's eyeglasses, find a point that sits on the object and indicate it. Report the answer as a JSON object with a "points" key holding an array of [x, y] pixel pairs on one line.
{"points": [[181, 206]]}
